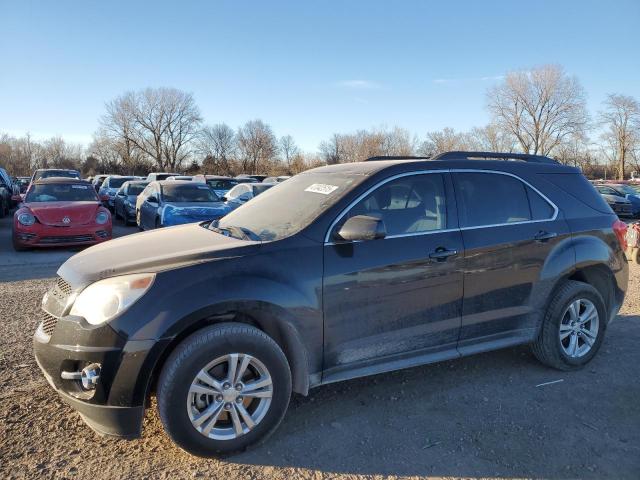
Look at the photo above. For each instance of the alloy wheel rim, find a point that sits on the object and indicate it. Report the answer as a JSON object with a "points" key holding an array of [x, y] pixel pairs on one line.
{"points": [[230, 396], [579, 328]]}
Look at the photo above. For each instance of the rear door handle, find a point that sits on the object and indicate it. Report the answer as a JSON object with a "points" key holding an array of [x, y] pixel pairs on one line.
{"points": [[441, 254], [543, 236]]}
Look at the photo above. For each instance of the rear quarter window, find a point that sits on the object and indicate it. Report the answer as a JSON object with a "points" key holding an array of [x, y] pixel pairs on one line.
{"points": [[576, 185]]}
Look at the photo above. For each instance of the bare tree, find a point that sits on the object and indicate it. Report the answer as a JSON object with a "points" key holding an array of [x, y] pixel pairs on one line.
{"points": [[540, 107], [257, 145], [444, 140], [217, 143], [288, 149], [491, 138], [332, 150], [621, 122], [358, 146], [159, 122]]}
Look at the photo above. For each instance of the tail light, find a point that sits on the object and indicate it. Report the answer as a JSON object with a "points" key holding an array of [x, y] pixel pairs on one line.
{"points": [[620, 229]]}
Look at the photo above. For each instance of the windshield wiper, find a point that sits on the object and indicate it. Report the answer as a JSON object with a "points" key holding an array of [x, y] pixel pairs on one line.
{"points": [[240, 233]]}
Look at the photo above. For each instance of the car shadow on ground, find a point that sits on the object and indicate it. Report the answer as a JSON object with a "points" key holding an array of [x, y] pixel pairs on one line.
{"points": [[494, 414]]}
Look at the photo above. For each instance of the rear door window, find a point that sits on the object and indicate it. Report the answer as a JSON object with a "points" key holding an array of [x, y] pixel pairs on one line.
{"points": [[487, 198]]}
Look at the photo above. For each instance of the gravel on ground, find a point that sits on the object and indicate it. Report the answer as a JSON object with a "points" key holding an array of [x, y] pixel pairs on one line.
{"points": [[480, 416]]}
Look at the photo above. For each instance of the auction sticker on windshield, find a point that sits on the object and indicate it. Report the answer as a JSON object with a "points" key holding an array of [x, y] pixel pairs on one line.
{"points": [[322, 188]]}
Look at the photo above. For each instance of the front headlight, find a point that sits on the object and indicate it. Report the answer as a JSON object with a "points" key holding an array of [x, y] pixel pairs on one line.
{"points": [[101, 218], [103, 300], [26, 219]]}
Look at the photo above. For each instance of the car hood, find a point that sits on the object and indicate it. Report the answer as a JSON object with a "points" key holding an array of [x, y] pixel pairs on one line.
{"points": [[52, 213], [152, 251]]}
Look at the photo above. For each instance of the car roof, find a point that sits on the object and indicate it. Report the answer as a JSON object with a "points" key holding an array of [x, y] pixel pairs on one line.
{"points": [[74, 181], [401, 164]]}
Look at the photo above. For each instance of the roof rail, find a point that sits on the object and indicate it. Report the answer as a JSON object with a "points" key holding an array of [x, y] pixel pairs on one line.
{"points": [[394, 157], [525, 157]]}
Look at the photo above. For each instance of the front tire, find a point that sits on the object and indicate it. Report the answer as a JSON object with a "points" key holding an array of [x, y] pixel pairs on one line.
{"points": [[224, 388], [573, 327]]}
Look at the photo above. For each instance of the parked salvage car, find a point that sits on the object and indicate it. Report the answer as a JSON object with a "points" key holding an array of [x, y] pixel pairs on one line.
{"points": [[278, 179], [167, 203], [618, 203], [157, 176], [23, 183], [124, 205], [110, 187], [60, 211], [341, 271], [97, 181], [221, 185], [630, 193], [241, 194], [55, 172], [6, 192]]}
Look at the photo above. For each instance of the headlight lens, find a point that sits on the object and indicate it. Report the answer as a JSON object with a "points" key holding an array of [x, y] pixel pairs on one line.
{"points": [[102, 217], [26, 219], [103, 300]]}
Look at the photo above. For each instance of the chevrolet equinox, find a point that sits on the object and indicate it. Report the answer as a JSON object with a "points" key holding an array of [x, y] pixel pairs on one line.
{"points": [[339, 272]]}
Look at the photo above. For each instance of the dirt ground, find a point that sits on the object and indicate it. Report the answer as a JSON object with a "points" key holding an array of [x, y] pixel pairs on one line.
{"points": [[481, 416]]}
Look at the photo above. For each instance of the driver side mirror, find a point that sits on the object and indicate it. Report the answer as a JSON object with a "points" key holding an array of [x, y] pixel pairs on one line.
{"points": [[152, 199], [245, 197], [362, 227]]}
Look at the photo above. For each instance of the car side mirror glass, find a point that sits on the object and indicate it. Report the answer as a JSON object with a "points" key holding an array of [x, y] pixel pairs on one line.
{"points": [[152, 199], [362, 227], [224, 198], [244, 197]]}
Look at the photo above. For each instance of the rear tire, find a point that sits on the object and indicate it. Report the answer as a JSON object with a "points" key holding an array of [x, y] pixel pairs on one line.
{"points": [[178, 407], [558, 321]]}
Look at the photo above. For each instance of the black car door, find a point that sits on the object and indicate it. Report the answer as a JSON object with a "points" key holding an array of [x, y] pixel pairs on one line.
{"points": [[393, 301], [509, 230]]}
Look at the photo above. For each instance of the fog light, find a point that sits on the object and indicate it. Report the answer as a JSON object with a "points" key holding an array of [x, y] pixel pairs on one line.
{"points": [[90, 376]]}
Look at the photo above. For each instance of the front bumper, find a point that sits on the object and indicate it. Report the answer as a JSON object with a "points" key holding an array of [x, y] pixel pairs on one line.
{"points": [[116, 406], [39, 235]]}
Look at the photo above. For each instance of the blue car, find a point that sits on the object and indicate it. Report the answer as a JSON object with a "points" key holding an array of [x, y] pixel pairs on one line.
{"points": [[622, 190], [124, 205], [169, 202], [110, 187], [221, 185]]}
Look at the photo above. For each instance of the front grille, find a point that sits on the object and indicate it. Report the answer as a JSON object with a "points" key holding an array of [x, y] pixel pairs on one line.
{"points": [[64, 286], [67, 239], [48, 323]]}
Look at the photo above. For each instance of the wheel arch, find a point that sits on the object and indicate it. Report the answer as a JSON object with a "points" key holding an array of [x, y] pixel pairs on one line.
{"points": [[267, 318]]}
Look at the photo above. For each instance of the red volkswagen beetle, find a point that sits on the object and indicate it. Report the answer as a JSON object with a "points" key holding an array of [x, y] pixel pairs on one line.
{"points": [[60, 211]]}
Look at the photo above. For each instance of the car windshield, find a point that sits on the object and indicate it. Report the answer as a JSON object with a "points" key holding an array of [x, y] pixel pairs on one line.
{"points": [[58, 173], [221, 184], [61, 192], [136, 188], [116, 182], [626, 189], [188, 193], [290, 206]]}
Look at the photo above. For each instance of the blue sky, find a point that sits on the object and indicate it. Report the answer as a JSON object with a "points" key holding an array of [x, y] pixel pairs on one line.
{"points": [[307, 68]]}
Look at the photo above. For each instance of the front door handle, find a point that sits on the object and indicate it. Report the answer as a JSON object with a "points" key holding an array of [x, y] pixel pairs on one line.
{"points": [[543, 236], [441, 254]]}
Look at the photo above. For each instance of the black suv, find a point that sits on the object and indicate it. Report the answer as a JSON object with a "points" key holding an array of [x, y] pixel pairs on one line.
{"points": [[339, 272]]}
